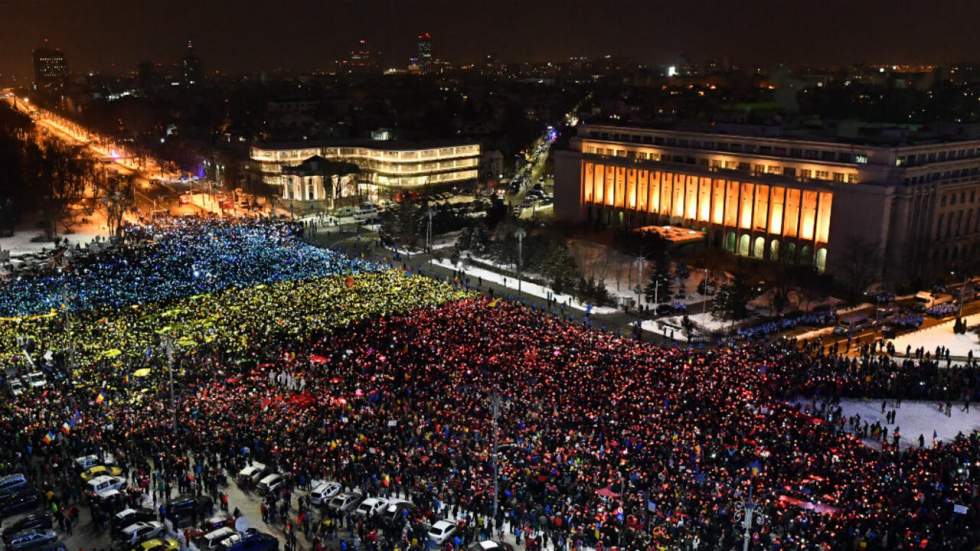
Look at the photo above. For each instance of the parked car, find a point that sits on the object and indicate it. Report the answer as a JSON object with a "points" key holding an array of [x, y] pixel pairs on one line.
{"points": [[141, 531], [39, 520], [35, 379], [104, 483], [12, 482], [130, 516], [270, 484], [345, 502], [213, 539], [441, 531], [250, 541], [490, 545], [370, 507], [182, 508], [322, 492], [101, 470], [159, 544], [31, 538], [251, 474], [20, 503], [395, 511]]}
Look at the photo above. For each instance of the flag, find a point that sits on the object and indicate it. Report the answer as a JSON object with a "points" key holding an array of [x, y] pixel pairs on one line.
{"points": [[493, 303], [100, 397], [755, 467], [65, 427], [48, 438]]}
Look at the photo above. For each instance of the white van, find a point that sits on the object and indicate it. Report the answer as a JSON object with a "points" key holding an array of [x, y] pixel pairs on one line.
{"points": [[270, 483]]}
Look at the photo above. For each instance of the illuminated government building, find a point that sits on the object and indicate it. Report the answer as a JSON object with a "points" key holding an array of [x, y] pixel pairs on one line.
{"points": [[384, 168], [793, 199]]}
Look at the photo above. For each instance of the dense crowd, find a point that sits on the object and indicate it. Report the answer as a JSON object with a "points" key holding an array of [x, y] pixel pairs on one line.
{"points": [[175, 258], [387, 383]]}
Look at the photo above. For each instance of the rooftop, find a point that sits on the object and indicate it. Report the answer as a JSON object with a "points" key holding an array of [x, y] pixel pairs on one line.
{"points": [[384, 145], [844, 132]]}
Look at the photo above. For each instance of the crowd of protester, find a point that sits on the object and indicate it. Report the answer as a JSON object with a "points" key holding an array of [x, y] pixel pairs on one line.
{"points": [[175, 258], [388, 383]]}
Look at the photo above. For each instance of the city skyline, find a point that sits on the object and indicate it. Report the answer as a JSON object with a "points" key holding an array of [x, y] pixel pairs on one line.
{"points": [[111, 35]]}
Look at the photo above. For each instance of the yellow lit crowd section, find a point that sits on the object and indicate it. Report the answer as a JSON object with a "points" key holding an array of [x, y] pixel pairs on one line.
{"points": [[692, 199]]}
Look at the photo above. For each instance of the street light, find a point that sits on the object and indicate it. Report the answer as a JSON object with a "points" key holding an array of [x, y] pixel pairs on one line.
{"points": [[520, 234], [746, 512], [428, 230]]}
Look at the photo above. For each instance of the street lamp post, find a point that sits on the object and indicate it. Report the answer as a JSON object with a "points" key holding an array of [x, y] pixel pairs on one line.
{"points": [[639, 281], [748, 511], [520, 234], [428, 229]]}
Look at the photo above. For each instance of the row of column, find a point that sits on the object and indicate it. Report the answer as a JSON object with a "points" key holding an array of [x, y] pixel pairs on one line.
{"points": [[779, 210]]}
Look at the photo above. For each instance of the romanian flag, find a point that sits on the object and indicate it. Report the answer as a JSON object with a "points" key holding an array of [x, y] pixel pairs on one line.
{"points": [[755, 467], [100, 398], [65, 427], [48, 438]]}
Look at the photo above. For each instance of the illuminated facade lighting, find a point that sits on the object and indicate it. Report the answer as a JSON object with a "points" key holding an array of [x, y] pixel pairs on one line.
{"points": [[773, 198]]}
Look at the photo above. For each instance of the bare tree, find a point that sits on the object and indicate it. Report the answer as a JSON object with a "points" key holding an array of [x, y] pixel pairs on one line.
{"points": [[859, 265], [118, 193], [59, 174]]}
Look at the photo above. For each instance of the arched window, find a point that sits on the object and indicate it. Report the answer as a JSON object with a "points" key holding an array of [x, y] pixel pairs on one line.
{"points": [[790, 253], [730, 240], [821, 259], [759, 250], [743, 244], [774, 249], [806, 254]]}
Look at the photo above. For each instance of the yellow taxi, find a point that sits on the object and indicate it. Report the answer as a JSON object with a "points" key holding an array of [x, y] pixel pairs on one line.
{"points": [[158, 544], [99, 470]]}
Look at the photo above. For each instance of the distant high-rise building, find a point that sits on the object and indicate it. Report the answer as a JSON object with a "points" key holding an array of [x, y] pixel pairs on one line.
{"points": [[50, 68], [425, 52], [362, 59], [191, 65]]}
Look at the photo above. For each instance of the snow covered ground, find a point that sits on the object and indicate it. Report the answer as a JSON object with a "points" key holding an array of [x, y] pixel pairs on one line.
{"points": [[915, 418], [533, 289], [704, 321], [942, 335], [21, 243]]}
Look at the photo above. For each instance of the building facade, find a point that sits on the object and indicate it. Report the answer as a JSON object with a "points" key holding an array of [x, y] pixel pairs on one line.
{"points": [[425, 52], [790, 199], [50, 69], [386, 167]]}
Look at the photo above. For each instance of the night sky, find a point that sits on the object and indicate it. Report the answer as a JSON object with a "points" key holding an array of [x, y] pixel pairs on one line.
{"points": [[247, 35]]}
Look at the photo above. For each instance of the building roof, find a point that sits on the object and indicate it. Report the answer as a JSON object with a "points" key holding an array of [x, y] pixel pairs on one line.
{"points": [[386, 145], [844, 132]]}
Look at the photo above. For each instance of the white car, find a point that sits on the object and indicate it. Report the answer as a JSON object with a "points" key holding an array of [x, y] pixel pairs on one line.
{"points": [[271, 483], [441, 531], [16, 387], [142, 530], [322, 492], [212, 540], [253, 472], [36, 380], [370, 507], [101, 484], [86, 461]]}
